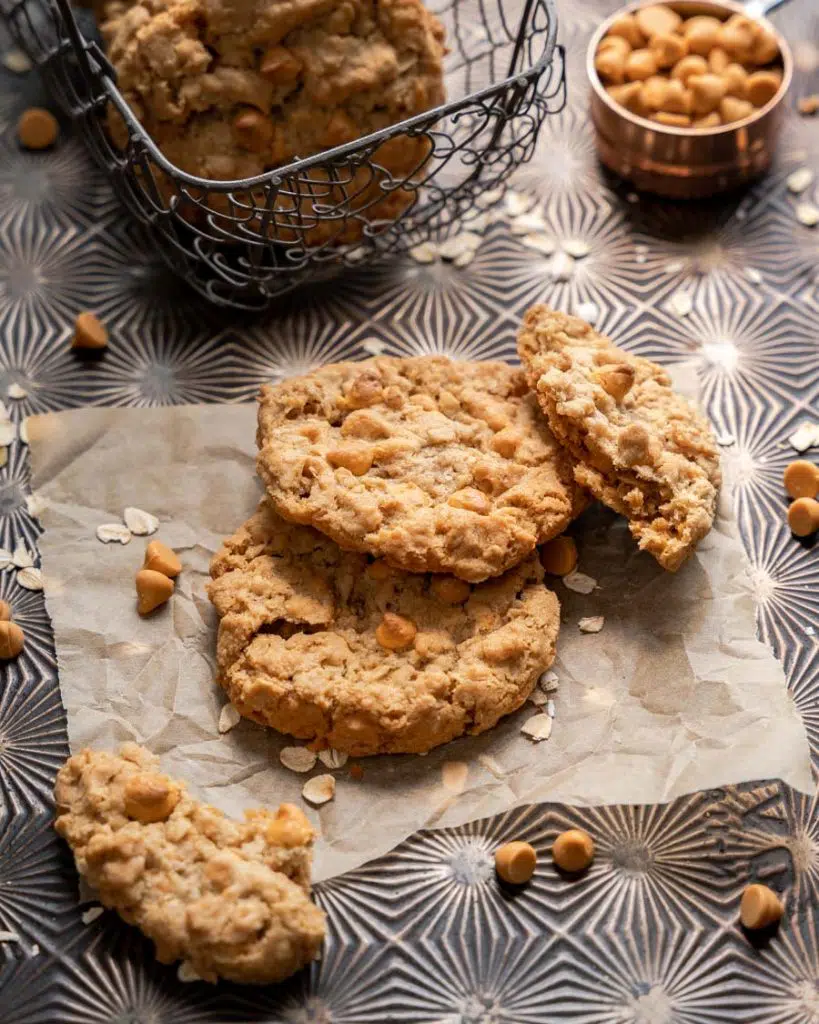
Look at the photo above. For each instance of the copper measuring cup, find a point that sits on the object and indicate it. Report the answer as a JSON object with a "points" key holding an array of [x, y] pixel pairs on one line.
{"points": [[687, 163]]}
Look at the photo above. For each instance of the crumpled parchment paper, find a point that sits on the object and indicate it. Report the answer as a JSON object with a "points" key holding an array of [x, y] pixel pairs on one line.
{"points": [[675, 694]]}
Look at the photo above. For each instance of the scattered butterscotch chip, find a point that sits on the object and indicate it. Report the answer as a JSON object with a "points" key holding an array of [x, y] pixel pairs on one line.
{"points": [[5, 611], [559, 556], [37, 128], [573, 850], [803, 517], [802, 479], [515, 862], [12, 640], [150, 797], [160, 558], [395, 632], [759, 907], [153, 589], [808, 105], [89, 332]]}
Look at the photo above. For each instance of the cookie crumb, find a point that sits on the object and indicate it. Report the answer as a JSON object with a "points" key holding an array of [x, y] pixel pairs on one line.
{"points": [[91, 915], [37, 128], [229, 718], [591, 624], [538, 698], [320, 789], [537, 728], [185, 973], [298, 759]]}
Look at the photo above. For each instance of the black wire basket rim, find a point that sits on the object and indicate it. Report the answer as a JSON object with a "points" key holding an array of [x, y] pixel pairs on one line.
{"points": [[273, 177]]}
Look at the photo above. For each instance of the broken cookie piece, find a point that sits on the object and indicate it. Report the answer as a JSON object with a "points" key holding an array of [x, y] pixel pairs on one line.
{"points": [[330, 646], [231, 899], [640, 448]]}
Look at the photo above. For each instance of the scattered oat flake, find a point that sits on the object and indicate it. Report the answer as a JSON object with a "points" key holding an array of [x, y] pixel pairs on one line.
{"points": [[807, 214], [319, 789], [561, 266], [804, 437], [538, 698], [491, 765], [537, 728], [5, 559], [298, 759], [139, 522], [551, 710], [540, 243], [454, 775], [16, 61], [799, 180], [16, 391], [753, 275], [810, 631], [591, 624], [588, 311], [674, 267], [640, 258], [457, 245], [549, 681], [373, 346], [576, 248], [229, 718], [36, 504], [680, 303], [725, 440], [23, 431], [580, 583], [464, 259], [90, 915], [490, 198], [22, 557], [113, 533], [333, 759], [30, 579], [34, 950], [186, 973], [426, 252], [528, 223], [8, 433], [478, 222], [7, 936], [641, 248], [517, 203]]}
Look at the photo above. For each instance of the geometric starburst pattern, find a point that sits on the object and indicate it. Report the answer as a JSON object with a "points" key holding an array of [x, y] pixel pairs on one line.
{"points": [[426, 934]]}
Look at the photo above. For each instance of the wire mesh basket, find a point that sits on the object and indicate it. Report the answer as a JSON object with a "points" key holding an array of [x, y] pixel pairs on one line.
{"points": [[241, 243]]}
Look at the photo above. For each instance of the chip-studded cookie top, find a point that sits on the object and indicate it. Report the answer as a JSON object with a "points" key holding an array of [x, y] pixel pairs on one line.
{"points": [[640, 448], [326, 644], [435, 465], [230, 898]]}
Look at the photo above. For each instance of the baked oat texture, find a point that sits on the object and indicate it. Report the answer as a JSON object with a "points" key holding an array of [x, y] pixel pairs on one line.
{"points": [[437, 466], [640, 448], [301, 641], [230, 898], [231, 88]]}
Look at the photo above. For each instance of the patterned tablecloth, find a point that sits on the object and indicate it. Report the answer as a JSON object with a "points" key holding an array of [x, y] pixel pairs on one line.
{"points": [[425, 934]]}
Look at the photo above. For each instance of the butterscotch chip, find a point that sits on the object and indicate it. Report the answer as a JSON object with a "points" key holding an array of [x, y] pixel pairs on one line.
{"points": [[89, 332], [37, 128], [280, 65], [573, 851], [762, 87], [808, 105], [464, 476], [803, 517], [737, 36], [654, 92], [651, 456], [718, 60], [639, 65], [759, 907], [610, 65], [5, 611], [559, 556], [230, 898], [668, 48], [305, 645], [153, 589], [657, 19], [515, 862], [707, 92], [253, 131], [712, 120], [677, 98], [160, 558], [801, 479], [765, 48], [702, 33], [12, 640], [625, 25], [735, 78], [732, 109], [688, 66], [629, 96]]}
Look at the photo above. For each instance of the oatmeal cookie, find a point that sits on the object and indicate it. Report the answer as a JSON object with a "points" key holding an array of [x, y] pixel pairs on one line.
{"points": [[437, 466], [326, 644], [231, 88], [230, 898], [640, 448]]}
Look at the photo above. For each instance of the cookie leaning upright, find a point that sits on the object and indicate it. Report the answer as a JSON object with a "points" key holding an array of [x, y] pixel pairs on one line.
{"points": [[437, 466], [328, 645], [230, 898], [640, 448]]}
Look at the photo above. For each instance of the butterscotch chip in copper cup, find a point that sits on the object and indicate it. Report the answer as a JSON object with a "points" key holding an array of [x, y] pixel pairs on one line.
{"points": [[89, 332], [37, 128], [801, 479], [515, 862]]}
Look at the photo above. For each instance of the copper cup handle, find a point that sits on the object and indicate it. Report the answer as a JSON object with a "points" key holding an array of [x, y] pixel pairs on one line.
{"points": [[758, 8]]}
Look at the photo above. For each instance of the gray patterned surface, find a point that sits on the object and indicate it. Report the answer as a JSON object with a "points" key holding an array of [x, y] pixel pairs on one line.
{"points": [[426, 934]]}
